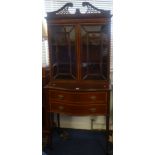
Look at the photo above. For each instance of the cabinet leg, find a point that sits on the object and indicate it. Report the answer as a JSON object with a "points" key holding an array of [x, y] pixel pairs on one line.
{"points": [[63, 134], [58, 123], [58, 120], [107, 135], [50, 128]]}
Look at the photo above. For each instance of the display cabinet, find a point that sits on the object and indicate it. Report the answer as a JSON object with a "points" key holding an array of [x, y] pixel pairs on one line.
{"points": [[79, 51]]}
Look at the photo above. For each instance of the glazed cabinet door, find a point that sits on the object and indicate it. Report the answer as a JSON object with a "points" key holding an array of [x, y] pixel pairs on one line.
{"points": [[62, 52], [94, 52]]}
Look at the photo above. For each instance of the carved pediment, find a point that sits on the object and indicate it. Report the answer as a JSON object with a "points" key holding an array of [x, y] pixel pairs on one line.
{"points": [[64, 9], [90, 10]]}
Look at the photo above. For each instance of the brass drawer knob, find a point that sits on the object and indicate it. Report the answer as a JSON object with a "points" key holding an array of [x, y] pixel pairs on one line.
{"points": [[61, 107], [61, 97], [93, 109], [93, 97]]}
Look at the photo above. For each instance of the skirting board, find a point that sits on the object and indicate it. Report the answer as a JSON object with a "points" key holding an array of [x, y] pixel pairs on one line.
{"points": [[83, 123]]}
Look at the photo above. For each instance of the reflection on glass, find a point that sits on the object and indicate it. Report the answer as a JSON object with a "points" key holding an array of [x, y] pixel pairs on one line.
{"points": [[63, 58], [94, 52]]}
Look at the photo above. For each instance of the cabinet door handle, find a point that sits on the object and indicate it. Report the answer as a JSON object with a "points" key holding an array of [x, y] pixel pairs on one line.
{"points": [[93, 97], [61, 97], [92, 109], [61, 107]]}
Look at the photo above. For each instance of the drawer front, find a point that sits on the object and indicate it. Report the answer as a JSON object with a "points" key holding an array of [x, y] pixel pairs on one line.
{"points": [[72, 109], [80, 98], [93, 97], [61, 96]]}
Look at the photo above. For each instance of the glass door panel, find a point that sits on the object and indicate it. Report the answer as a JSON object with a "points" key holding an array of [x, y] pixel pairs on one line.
{"points": [[94, 52], [63, 57]]}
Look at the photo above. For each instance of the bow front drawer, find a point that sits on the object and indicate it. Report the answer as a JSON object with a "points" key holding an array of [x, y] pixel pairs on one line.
{"points": [[93, 97], [78, 98], [72, 109], [62, 96]]}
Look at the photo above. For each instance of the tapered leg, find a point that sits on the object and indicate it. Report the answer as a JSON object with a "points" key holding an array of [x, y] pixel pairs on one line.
{"points": [[50, 128], [62, 133], [107, 134], [58, 124], [58, 120]]}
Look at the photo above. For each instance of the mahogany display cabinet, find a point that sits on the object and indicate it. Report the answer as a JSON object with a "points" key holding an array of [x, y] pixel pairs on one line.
{"points": [[79, 52]]}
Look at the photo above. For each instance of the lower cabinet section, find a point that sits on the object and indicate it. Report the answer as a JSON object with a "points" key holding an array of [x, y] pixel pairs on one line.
{"points": [[78, 103]]}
